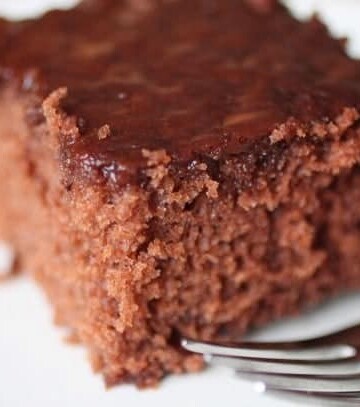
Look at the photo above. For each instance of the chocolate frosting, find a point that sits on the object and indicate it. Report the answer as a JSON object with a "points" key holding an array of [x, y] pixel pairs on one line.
{"points": [[192, 77]]}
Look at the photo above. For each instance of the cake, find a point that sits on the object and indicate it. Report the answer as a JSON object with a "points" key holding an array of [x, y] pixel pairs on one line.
{"points": [[178, 168]]}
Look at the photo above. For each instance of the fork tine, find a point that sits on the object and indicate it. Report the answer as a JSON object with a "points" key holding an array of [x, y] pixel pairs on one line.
{"points": [[304, 384], [256, 351], [332, 369]]}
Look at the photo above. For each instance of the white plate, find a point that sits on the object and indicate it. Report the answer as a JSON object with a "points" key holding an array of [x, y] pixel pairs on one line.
{"points": [[38, 370]]}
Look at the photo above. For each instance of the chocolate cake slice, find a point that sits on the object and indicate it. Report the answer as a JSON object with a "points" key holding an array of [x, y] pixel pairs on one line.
{"points": [[178, 168]]}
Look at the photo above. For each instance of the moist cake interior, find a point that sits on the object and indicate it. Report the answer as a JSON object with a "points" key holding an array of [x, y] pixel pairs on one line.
{"points": [[138, 241]]}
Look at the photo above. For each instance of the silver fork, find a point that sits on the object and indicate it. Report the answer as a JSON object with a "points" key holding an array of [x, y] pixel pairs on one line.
{"points": [[324, 371]]}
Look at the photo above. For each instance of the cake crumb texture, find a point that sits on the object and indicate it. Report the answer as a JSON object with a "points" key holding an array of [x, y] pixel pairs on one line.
{"points": [[130, 271], [163, 177]]}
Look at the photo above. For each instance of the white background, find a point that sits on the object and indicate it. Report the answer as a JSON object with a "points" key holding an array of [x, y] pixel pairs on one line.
{"points": [[38, 370]]}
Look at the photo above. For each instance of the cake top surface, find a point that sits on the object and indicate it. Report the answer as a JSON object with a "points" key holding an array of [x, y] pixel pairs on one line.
{"points": [[192, 77]]}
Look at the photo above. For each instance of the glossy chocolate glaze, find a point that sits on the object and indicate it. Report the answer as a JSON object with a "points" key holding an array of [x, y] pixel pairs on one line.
{"points": [[188, 76]]}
